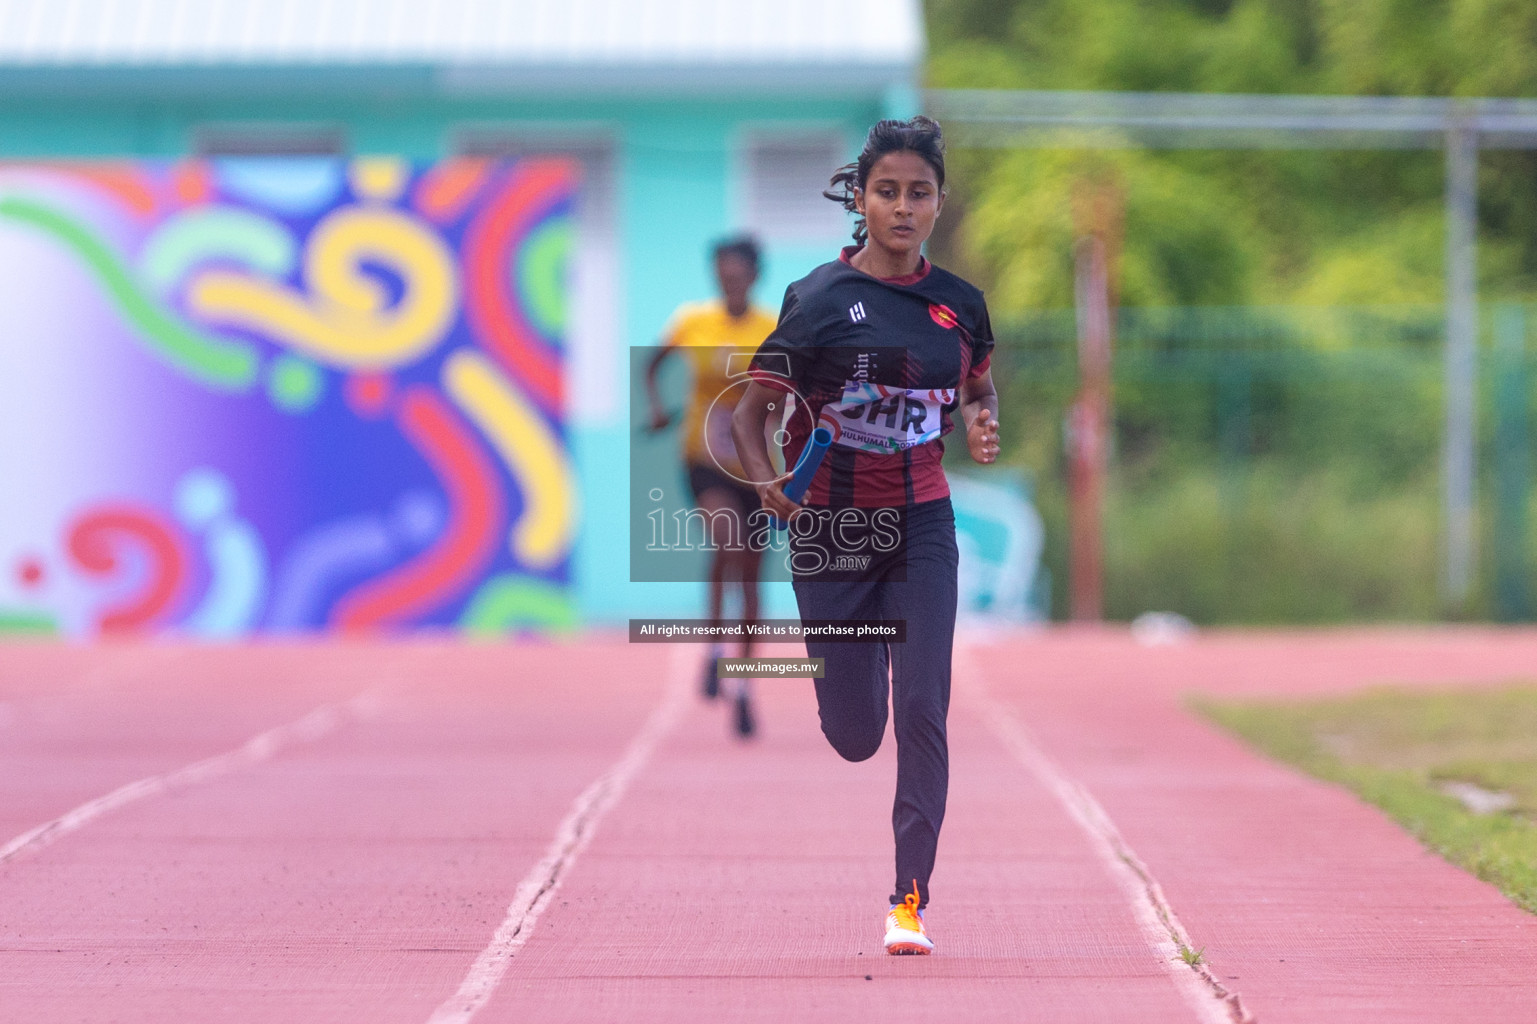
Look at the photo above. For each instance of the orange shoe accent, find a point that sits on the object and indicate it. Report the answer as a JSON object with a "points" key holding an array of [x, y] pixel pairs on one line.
{"points": [[905, 934]]}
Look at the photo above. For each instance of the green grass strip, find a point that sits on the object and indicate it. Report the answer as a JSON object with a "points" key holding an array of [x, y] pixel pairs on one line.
{"points": [[29, 623], [1393, 748], [225, 365], [510, 602]]}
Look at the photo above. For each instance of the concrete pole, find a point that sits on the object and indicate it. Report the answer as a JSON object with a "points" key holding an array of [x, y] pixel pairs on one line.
{"points": [[1459, 457]]}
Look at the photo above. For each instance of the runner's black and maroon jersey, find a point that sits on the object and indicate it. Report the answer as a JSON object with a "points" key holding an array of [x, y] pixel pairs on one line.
{"points": [[879, 363]]}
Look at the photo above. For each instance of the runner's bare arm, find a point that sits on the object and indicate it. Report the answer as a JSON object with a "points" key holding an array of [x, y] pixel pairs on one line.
{"points": [[659, 418], [979, 410], [758, 402]]}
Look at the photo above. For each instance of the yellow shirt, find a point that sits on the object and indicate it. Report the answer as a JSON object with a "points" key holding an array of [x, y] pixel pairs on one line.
{"points": [[708, 337]]}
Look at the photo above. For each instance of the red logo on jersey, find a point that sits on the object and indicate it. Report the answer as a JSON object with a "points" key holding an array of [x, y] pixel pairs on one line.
{"points": [[944, 316]]}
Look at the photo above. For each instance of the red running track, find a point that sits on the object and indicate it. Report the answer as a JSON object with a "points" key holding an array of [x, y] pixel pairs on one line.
{"points": [[357, 868]]}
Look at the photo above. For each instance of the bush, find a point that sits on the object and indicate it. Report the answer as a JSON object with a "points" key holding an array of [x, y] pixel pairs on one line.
{"points": [[1269, 466], [1265, 545]]}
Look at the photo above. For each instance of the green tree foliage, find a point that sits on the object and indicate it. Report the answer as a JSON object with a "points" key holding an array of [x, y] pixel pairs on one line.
{"points": [[1181, 246], [1276, 454], [1270, 226], [1367, 47]]}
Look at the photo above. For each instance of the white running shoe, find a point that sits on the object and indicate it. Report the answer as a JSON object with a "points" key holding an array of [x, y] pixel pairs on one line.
{"points": [[905, 934]]}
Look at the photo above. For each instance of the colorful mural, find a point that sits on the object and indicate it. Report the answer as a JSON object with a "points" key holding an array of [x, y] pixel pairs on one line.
{"points": [[284, 395]]}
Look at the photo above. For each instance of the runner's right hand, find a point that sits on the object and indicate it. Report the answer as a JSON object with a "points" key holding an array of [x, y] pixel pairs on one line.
{"points": [[772, 496]]}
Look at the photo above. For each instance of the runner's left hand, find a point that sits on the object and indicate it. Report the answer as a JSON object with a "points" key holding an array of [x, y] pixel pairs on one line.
{"points": [[982, 437]]}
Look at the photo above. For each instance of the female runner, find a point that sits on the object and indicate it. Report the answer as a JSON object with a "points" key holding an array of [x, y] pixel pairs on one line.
{"points": [[880, 347]]}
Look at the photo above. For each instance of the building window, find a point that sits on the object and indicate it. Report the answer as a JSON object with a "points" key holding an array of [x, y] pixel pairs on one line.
{"points": [[268, 138], [783, 177]]}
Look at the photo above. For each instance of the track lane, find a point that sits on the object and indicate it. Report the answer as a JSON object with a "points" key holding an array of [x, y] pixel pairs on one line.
{"points": [[311, 728], [358, 878], [349, 881], [1312, 904], [576, 830], [748, 883], [1168, 943], [79, 722]]}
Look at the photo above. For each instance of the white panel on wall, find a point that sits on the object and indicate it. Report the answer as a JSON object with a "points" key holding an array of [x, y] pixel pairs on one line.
{"points": [[783, 176]]}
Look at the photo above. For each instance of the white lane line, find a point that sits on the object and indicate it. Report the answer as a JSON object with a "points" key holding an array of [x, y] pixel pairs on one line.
{"points": [[1212, 1001], [313, 726], [575, 831]]}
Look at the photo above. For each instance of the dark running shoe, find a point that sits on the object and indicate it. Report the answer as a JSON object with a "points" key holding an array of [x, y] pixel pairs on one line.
{"points": [[746, 725]]}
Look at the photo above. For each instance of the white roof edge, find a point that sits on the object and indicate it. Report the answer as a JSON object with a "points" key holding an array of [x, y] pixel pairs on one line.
{"points": [[505, 33], [466, 81]]}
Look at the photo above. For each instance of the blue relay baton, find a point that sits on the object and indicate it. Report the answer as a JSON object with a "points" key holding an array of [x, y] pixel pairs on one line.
{"points": [[806, 468]]}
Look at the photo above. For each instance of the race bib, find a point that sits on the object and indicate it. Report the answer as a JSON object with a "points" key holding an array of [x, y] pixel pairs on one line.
{"points": [[875, 418]]}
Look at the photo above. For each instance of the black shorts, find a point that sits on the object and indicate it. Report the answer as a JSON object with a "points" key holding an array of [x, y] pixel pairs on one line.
{"points": [[703, 478]]}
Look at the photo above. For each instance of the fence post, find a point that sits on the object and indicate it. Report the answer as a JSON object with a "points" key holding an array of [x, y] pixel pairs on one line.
{"points": [[1458, 459], [1512, 466], [1098, 211], [1089, 436]]}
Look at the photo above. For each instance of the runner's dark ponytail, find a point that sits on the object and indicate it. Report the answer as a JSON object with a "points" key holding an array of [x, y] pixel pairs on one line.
{"points": [[920, 135]]}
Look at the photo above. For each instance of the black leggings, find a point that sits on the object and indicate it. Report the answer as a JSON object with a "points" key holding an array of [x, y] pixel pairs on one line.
{"points": [[915, 583]]}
